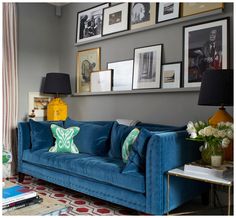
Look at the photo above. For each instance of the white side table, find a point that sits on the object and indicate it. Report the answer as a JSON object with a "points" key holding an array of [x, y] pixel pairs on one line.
{"points": [[179, 172]]}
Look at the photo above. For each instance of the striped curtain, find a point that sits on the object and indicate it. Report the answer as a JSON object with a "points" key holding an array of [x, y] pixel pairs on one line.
{"points": [[10, 82]]}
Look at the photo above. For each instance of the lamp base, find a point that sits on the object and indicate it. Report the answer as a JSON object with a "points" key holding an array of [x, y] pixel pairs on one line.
{"points": [[223, 116], [56, 110]]}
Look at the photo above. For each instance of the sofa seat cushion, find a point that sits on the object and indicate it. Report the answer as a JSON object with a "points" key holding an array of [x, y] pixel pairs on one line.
{"points": [[103, 169]]}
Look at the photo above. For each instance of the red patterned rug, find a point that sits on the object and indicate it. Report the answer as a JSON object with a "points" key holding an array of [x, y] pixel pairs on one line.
{"points": [[80, 204]]}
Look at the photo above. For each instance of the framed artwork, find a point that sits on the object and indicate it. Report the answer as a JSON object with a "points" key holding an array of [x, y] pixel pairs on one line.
{"points": [[147, 67], [171, 75], [89, 23], [87, 61], [38, 103], [122, 74], [142, 14], [205, 47], [115, 18], [168, 11], [101, 81], [192, 8]]}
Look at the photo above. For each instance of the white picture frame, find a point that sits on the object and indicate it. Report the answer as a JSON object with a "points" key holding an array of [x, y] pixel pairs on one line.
{"points": [[101, 81], [122, 74], [168, 11], [171, 73], [147, 67], [115, 18], [38, 102]]}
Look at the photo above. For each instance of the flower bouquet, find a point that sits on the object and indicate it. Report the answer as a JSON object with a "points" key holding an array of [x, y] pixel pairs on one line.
{"points": [[215, 139]]}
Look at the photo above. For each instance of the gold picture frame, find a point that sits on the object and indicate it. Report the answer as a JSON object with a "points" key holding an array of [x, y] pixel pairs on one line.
{"points": [[88, 60], [188, 9]]}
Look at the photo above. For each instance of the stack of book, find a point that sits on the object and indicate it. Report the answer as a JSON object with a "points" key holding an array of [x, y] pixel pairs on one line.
{"points": [[223, 171], [17, 197]]}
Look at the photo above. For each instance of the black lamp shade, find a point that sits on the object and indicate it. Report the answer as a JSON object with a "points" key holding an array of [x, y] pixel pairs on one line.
{"points": [[216, 88], [57, 83]]}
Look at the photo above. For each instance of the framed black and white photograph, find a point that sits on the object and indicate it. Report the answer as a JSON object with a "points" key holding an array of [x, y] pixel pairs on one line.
{"points": [[168, 11], [122, 74], [101, 81], [171, 75], [89, 23], [142, 14], [147, 67], [115, 19], [205, 47]]}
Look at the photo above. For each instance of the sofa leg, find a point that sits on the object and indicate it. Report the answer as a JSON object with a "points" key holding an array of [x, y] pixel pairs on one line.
{"points": [[205, 198], [21, 177]]}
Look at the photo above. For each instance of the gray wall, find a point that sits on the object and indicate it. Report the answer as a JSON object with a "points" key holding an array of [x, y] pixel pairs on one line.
{"points": [[46, 43], [38, 48], [167, 108]]}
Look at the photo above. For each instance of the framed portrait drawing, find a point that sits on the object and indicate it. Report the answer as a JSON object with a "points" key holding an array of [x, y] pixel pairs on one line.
{"points": [[147, 67], [87, 61], [168, 11], [171, 75], [89, 23], [205, 47], [122, 75], [191, 8], [101, 81], [38, 102], [142, 14], [115, 18]]}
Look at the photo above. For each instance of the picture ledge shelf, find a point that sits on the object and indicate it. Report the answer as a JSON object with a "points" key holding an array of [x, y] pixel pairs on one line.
{"points": [[139, 91], [158, 25]]}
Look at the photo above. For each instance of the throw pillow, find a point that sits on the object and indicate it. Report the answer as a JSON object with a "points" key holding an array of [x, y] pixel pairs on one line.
{"points": [[41, 134], [118, 135], [128, 143], [64, 139], [137, 157], [93, 138]]}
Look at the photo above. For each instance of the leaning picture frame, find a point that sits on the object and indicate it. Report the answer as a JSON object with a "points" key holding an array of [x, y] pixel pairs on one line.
{"points": [[205, 47], [89, 23], [101, 81], [147, 67], [142, 14], [37, 104], [122, 74], [115, 19], [168, 11], [171, 73], [88, 60]]}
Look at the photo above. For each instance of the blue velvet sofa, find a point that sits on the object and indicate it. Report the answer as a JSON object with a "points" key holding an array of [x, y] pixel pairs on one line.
{"points": [[99, 171]]}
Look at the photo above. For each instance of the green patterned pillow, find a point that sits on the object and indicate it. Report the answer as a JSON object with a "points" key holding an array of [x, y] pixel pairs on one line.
{"points": [[128, 143], [64, 139]]}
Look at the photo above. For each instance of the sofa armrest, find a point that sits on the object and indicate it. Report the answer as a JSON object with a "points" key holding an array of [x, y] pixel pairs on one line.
{"points": [[165, 151], [23, 140]]}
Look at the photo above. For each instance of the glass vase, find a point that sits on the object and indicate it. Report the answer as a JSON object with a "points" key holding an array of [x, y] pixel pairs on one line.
{"points": [[211, 150]]}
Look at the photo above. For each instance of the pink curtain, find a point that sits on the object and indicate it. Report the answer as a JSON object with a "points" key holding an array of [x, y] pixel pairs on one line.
{"points": [[10, 81]]}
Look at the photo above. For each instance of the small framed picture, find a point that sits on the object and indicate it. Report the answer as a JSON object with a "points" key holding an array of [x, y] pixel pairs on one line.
{"points": [[87, 61], [115, 18], [89, 23], [38, 104], [168, 11], [101, 81], [192, 8], [147, 67], [205, 47], [122, 75], [171, 75], [142, 14]]}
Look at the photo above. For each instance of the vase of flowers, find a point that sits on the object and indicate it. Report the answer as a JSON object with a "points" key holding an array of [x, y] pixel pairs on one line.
{"points": [[215, 139]]}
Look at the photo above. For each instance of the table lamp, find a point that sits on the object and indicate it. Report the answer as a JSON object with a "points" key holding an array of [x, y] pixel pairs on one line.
{"points": [[217, 90], [57, 83]]}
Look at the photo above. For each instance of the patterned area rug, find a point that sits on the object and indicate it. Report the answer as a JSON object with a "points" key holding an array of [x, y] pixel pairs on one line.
{"points": [[79, 204]]}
